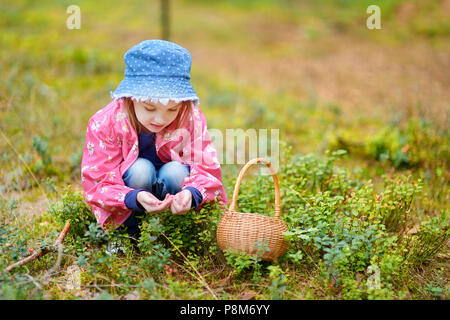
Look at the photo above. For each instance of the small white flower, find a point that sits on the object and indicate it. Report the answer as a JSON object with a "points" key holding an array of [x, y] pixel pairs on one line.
{"points": [[93, 168], [95, 125], [101, 203], [97, 214], [203, 192], [120, 197], [89, 197], [167, 137], [210, 177], [90, 147], [111, 176], [102, 145], [103, 190], [84, 168], [196, 113], [135, 148], [120, 116], [125, 128]]}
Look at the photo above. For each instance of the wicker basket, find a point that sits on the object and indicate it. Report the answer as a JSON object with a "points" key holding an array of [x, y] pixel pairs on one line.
{"points": [[248, 232]]}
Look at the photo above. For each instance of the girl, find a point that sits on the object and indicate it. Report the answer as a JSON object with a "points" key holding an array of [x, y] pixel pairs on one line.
{"points": [[149, 149]]}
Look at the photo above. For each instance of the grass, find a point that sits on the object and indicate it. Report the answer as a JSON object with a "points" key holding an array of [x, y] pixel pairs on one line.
{"points": [[312, 70]]}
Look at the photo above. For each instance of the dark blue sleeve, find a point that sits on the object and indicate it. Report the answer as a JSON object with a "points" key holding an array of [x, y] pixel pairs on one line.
{"points": [[196, 196], [131, 201]]}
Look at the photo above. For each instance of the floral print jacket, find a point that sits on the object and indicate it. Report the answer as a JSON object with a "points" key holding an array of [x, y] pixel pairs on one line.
{"points": [[111, 147]]}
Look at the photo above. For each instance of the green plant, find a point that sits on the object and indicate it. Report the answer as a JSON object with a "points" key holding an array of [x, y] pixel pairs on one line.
{"points": [[431, 238], [154, 254], [95, 234], [7, 209], [394, 203], [278, 283], [340, 224], [72, 208], [242, 262], [194, 232]]}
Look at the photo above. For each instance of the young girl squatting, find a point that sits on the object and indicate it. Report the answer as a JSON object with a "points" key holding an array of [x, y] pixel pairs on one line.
{"points": [[149, 149]]}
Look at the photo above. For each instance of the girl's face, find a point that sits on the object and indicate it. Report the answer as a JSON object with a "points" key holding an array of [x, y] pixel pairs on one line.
{"points": [[156, 116]]}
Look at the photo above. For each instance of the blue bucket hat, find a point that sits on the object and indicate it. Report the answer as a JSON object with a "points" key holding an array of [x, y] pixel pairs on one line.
{"points": [[157, 70]]}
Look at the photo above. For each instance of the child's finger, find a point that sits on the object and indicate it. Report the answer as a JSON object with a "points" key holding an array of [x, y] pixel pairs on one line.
{"points": [[181, 198], [178, 209], [168, 197], [155, 205], [167, 201], [184, 201], [175, 207], [159, 208], [150, 199], [188, 201]]}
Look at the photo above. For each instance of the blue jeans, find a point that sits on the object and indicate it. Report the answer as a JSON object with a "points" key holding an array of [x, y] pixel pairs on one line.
{"points": [[143, 175]]}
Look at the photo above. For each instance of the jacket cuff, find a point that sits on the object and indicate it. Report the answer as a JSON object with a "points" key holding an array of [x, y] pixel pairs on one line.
{"points": [[196, 196], [131, 200]]}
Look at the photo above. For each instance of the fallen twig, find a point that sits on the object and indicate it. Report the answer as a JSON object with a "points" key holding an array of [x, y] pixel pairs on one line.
{"points": [[42, 251]]}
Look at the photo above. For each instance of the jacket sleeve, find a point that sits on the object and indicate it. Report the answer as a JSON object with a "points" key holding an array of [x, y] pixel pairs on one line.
{"points": [[103, 186], [205, 174]]}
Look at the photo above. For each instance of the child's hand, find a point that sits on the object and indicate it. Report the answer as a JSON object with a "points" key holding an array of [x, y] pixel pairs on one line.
{"points": [[181, 202], [153, 204]]}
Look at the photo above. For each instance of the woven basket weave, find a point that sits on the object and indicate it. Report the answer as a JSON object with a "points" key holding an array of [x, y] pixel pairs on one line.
{"points": [[248, 232]]}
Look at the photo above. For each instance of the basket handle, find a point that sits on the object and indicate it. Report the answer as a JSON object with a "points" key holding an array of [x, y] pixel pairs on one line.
{"points": [[232, 207]]}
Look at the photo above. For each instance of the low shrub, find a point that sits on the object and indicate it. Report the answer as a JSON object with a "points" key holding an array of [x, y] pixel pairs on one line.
{"points": [[72, 208]]}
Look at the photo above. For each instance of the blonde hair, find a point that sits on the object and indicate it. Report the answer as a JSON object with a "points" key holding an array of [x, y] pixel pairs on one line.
{"points": [[183, 116]]}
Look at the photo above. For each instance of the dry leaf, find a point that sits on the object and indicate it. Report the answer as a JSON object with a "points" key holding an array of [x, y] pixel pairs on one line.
{"points": [[413, 230], [131, 296], [249, 294], [359, 277], [405, 148], [169, 270], [223, 282]]}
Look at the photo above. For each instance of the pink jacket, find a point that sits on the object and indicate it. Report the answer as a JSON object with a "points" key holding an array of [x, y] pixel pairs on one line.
{"points": [[111, 147]]}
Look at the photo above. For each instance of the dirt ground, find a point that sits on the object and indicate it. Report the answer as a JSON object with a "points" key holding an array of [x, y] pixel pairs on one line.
{"points": [[358, 76]]}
